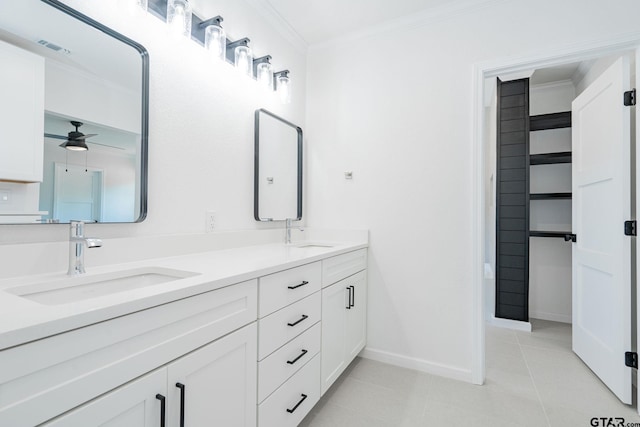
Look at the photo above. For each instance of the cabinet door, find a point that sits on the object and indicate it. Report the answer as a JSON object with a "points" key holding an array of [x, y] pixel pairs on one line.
{"points": [[132, 405], [219, 380], [356, 326], [335, 303], [21, 114]]}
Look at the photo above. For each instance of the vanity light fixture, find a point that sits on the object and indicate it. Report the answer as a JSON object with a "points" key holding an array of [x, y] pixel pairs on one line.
{"points": [[179, 17], [282, 85], [263, 71], [242, 56], [215, 38], [210, 34]]}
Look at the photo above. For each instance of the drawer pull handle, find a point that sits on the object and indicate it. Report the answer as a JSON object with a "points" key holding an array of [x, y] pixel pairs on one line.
{"points": [[182, 393], [291, 362], [304, 316], [304, 282], [292, 410], [163, 408]]}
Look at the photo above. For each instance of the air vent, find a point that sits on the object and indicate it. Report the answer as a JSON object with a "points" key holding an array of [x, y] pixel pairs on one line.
{"points": [[54, 47]]}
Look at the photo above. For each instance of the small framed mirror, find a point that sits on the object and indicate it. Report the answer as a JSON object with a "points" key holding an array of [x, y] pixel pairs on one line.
{"points": [[278, 168], [73, 118]]}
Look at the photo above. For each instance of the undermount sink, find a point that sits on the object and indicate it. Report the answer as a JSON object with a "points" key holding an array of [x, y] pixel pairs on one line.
{"points": [[78, 288], [313, 245]]}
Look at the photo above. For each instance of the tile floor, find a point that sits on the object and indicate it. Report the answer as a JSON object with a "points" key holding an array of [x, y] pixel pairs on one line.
{"points": [[533, 379]]}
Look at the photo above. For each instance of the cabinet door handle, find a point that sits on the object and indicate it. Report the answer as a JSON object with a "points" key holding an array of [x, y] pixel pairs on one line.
{"points": [[291, 362], [182, 396], [304, 282], [292, 410], [353, 296], [304, 316], [163, 408], [349, 304]]}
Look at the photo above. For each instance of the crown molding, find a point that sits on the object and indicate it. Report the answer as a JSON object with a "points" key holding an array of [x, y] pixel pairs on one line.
{"points": [[404, 23], [266, 9]]}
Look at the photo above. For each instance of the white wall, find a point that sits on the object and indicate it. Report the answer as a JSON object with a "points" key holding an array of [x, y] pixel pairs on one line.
{"points": [[396, 108], [201, 124]]}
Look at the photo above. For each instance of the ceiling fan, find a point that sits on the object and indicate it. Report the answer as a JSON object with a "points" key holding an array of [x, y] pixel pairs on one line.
{"points": [[75, 140]]}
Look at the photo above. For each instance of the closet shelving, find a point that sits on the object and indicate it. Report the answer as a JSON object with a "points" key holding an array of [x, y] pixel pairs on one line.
{"points": [[547, 122]]}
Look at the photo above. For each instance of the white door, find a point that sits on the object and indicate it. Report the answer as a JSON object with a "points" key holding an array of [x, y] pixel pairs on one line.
{"points": [[219, 383], [133, 405], [601, 203], [335, 304], [77, 193], [357, 316]]}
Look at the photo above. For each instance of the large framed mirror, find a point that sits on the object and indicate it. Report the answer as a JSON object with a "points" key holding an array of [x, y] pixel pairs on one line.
{"points": [[278, 168], [73, 118]]}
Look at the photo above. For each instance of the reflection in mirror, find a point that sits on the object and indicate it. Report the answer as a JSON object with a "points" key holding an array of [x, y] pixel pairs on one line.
{"points": [[73, 117], [278, 168]]}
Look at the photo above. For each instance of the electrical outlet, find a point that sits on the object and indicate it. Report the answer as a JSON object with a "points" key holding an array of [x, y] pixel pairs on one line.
{"points": [[210, 221]]}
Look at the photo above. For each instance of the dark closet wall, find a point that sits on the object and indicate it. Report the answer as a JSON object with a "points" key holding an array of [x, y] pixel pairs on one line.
{"points": [[512, 200]]}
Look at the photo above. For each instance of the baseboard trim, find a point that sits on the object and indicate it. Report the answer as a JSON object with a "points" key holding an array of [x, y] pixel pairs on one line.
{"points": [[417, 364], [564, 318], [510, 324]]}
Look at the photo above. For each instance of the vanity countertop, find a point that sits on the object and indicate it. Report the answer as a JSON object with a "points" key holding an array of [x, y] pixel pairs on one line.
{"points": [[23, 320]]}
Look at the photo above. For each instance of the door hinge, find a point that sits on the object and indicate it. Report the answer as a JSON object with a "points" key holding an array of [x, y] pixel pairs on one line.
{"points": [[631, 359], [630, 97], [630, 228]]}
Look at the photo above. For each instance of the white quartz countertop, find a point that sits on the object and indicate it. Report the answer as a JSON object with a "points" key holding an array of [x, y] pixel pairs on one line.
{"points": [[23, 320]]}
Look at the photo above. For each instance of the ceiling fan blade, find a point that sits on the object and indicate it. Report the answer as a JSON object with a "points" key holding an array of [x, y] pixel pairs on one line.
{"points": [[83, 137], [51, 135], [105, 145]]}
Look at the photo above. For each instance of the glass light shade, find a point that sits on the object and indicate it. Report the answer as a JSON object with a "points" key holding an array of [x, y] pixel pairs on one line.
{"points": [[264, 74], [244, 60], [179, 16], [215, 40], [283, 87]]}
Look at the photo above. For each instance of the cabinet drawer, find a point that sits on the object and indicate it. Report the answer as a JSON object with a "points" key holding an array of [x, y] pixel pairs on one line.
{"points": [[52, 375], [286, 407], [280, 327], [339, 267], [285, 287], [286, 361]]}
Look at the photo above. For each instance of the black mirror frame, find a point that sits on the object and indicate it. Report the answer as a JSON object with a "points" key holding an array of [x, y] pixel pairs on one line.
{"points": [[256, 181], [144, 135]]}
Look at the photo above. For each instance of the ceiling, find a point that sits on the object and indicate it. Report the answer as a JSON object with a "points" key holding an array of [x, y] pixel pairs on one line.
{"points": [[321, 20]]}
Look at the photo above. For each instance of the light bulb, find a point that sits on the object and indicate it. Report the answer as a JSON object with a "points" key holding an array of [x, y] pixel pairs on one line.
{"points": [[284, 88], [244, 60], [179, 17], [216, 41], [264, 74]]}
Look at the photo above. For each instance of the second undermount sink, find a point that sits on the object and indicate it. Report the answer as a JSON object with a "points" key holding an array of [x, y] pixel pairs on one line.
{"points": [[313, 245], [77, 288]]}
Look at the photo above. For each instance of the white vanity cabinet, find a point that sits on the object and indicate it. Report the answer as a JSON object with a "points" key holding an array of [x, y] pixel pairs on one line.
{"points": [[210, 386], [289, 345], [51, 376], [257, 353], [344, 313], [135, 404], [21, 114]]}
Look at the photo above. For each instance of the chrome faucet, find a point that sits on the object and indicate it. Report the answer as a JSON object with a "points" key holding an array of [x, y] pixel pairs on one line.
{"points": [[287, 233], [77, 240], [288, 226]]}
